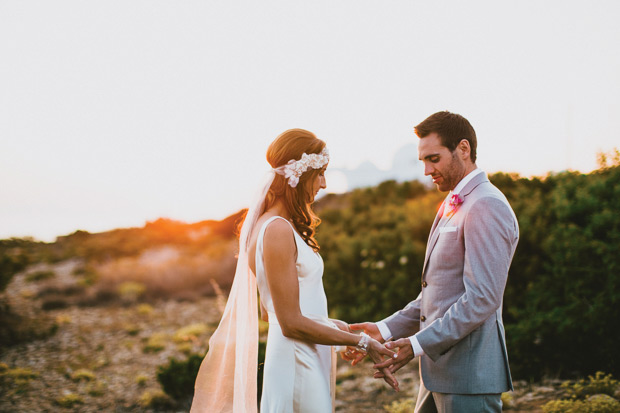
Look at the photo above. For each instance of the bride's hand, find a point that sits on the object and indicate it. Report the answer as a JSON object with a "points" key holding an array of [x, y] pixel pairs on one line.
{"points": [[377, 351], [352, 354], [341, 325]]}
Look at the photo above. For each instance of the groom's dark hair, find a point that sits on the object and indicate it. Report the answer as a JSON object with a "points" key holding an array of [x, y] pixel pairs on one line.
{"points": [[451, 128]]}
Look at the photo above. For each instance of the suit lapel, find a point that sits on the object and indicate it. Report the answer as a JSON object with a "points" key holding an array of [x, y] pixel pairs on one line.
{"points": [[434, 234], [436, 221], [471, 185]]}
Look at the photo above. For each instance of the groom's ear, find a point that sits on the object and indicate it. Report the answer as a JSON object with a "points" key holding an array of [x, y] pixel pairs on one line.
{"points": [[464, 149]]}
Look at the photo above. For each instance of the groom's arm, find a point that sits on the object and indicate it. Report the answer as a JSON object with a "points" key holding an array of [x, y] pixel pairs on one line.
{"points": [[402, 323], [490, 234]]}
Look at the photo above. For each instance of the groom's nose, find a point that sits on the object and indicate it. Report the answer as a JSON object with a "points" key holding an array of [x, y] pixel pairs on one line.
{"points": [[428, 169]]}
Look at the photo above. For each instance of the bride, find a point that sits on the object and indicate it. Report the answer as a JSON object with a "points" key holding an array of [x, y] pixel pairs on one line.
{"points": [[279, 255]]}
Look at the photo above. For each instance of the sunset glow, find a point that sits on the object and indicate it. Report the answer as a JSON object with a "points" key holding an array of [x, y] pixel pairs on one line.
{"points": [[113, 114]]}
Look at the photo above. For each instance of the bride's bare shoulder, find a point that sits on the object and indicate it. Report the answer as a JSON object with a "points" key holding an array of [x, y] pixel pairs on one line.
{"points": [[276, 228]]}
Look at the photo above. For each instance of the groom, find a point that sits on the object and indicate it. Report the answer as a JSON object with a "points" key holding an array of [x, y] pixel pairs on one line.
{"points": [[455, 324]]}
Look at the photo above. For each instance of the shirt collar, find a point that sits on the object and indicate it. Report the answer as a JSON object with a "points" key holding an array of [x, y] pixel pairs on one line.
{"points": [[459, 187]]}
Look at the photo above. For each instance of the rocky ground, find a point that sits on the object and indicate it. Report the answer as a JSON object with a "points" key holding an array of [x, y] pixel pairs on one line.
{"points": [[106, 358]]}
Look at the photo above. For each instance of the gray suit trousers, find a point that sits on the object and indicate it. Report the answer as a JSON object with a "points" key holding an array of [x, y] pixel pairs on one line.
{"points": [[429, 402]]}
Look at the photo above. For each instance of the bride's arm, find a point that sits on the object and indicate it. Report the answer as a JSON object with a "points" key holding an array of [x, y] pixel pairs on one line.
{"points": [[279, 256]]}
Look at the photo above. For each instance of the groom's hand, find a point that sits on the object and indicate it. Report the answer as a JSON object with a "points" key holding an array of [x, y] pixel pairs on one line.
{"points": [[377, 351], [405, 355], [369, 328], [372, 330]]}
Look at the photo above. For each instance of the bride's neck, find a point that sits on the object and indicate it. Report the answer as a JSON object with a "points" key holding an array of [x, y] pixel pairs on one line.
{"points": [[279, 209]]}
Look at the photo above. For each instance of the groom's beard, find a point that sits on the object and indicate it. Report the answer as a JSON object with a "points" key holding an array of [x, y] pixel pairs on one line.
{"points": [[452, 175]]}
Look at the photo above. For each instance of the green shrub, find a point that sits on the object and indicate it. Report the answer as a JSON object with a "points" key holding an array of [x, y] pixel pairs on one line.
{"points": [[185, 348], [88, 276], [54, 304], [155, 399], [594, 404], [155, 343], [144, 309], [400, 406], [18, 376], [83, 375], [597, 384], [16, 328], [131, 290], [96, 389], [177, 378], [131, 329], [508, 400], [561, 302], [190, 332], [13, 259], [69, 400], [142, 379], [40, 276], [373, 246]]}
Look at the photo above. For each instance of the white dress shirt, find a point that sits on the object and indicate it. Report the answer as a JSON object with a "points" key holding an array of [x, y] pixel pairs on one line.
{"points": [[383, 328]]}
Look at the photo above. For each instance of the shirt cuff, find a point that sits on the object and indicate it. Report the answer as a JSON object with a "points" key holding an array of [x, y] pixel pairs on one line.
{"points": [[417, 348], [384, 330]]}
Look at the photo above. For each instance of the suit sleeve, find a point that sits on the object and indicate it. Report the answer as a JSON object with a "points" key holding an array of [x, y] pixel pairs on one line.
{"points": [[490, 233], [405, 322]]}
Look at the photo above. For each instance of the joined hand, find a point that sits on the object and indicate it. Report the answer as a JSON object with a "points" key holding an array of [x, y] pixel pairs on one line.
{"points": [[393, 364], [376, 351]]}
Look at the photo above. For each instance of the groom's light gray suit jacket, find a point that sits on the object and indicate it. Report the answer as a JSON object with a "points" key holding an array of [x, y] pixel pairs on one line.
{"points": [[459, 311]]}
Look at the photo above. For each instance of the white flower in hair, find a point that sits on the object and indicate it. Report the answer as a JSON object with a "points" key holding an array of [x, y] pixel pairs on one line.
{"points": [[295, 168]]}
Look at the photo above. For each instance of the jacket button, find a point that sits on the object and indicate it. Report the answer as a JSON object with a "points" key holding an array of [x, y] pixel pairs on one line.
{"points": [[424, 284], [422, 318]]}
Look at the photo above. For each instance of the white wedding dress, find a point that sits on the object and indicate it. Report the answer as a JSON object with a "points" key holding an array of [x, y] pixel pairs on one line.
{"points": [[298, 376]]}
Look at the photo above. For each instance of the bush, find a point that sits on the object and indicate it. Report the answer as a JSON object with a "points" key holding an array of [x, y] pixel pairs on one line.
{"points": [[144, 309], [142, 379], [16, 376], [15, 328], [131, 290], [190, 332], [12, 260], [69, 400], [594, 404], [597, 384], [96, 389], [54, 304], [155, 399], [373, 246], [400, 406], [83, 375], [561, 302], [155, 343], [88, 276], [40, 276], [177, 378]]}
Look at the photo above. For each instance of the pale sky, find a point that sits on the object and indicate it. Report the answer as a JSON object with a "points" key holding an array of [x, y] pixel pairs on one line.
{"points": [[117, 112]]}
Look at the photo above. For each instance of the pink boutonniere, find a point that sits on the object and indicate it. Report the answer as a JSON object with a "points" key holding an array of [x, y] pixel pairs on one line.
{"points": [[453, 204]]}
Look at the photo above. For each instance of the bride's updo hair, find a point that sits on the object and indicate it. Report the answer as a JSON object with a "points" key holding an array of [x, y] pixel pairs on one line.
{"points": [[292, 144]]}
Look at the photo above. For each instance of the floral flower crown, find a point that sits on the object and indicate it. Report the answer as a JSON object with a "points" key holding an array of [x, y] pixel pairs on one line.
{"points": [[293, 169]]}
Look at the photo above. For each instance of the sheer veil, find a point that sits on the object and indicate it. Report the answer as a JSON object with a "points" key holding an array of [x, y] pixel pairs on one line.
{"points": [[226, 381]]}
